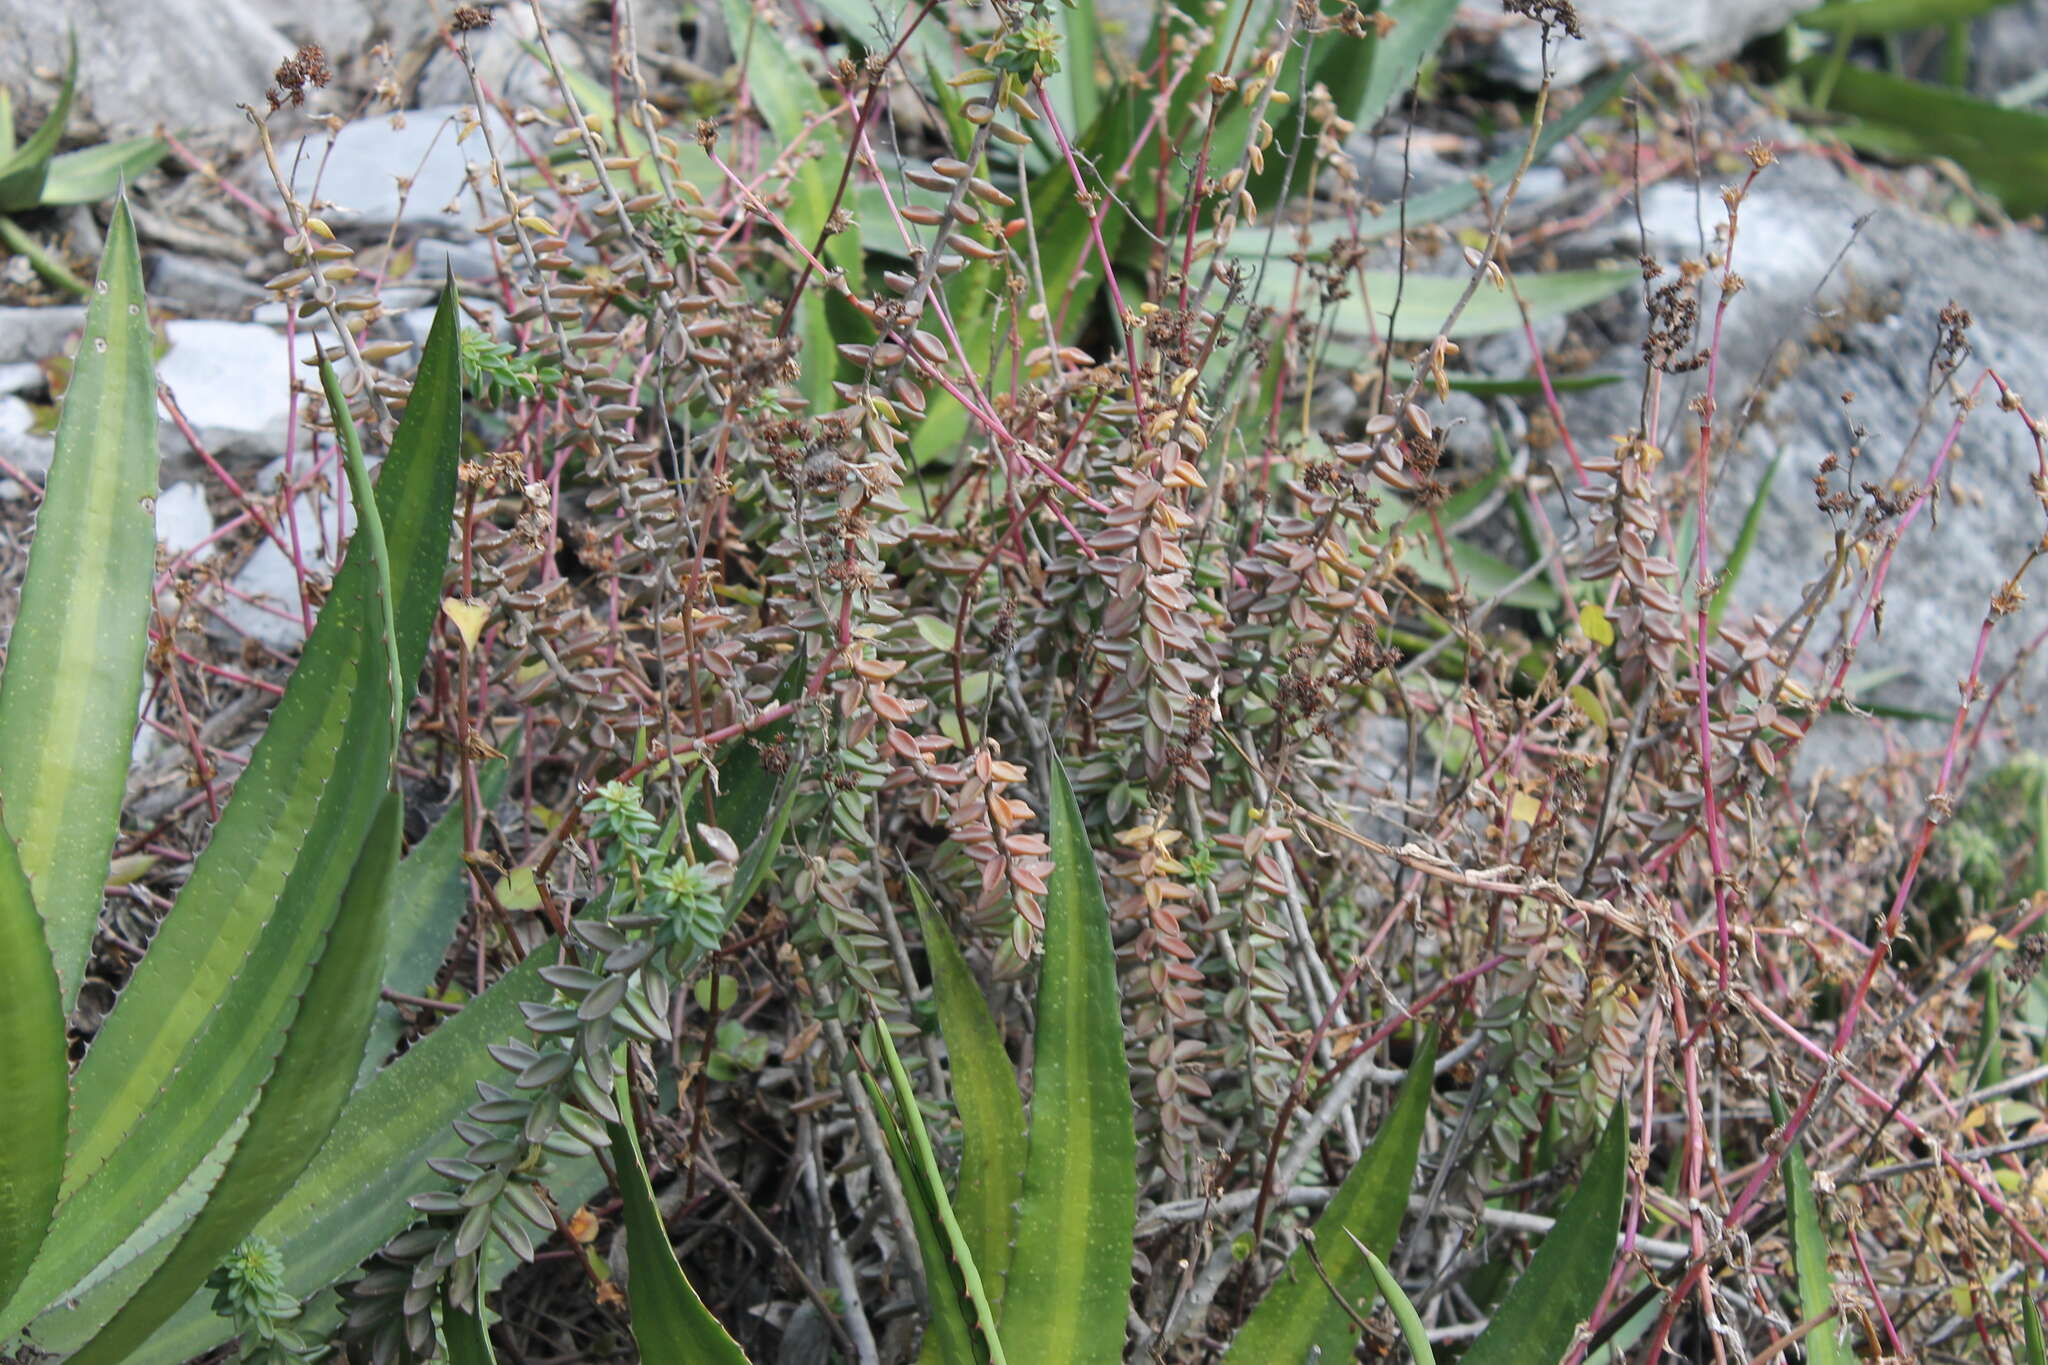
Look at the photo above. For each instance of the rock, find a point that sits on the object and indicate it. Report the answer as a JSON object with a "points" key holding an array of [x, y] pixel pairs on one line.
{"points": [[434, 259], [1868, 331], [364, 180], [232, 380], [184, 63], [265, 601], [21, 376], [200, 288], [1619, 31], [38, 333], [183, 523]]}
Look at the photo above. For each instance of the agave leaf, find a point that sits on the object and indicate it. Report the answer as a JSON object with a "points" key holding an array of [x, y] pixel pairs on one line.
{"points": [[1073, 90], [182, 1055], [91, 174], [2030, 1314], [993, 1147], [1542, 1311], [429, 894], [298, 1103], [669, 1321], [6, 127], [1809, 1255], [1435, 205], [1419, 29], [1426, 301], [1397, 1298], [343, 1208], [2004, 150], [1891, 16], [22, 173], [963, 1323], [74, 663], [34, 1075], [1070, 1279], [1298, 1312]]}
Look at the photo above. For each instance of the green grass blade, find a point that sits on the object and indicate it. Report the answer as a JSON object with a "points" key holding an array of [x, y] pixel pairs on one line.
{"points": [[669, 1321], [91, 174], [429, 895], [1542, 1311], [299, 1101], [23, 173], [34, 1075], [1404, 1310], [192, 1037], [1070, 1280], [991, 1108], [969, 1318], [1815, 1284], [1298, 1312], [74, 663], [2030, 1313]]}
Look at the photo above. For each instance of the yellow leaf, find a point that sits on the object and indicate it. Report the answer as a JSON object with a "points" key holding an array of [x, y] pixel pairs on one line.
{"points": [[1524, 808], [468, 614], [1593, 620]]}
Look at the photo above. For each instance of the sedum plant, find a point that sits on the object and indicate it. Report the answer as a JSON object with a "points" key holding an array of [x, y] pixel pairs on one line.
{"points": [[207, 1092]]}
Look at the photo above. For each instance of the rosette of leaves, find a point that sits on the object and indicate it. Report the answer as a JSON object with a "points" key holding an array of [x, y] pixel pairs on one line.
{"points": [[663, 907]]}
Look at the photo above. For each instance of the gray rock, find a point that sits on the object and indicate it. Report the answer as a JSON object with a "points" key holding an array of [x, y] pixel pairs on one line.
{"points": [[183, 522], [201, 288], [16, 417], [38, 333], [1800, 344], [233, 381], [265, 603], [434, 259], [408, 169], [20, 376], [1619, 31], [185, 63]]}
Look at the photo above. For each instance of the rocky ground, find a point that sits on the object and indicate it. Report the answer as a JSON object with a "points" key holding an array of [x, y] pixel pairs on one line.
{"points": [[1848, 271]]}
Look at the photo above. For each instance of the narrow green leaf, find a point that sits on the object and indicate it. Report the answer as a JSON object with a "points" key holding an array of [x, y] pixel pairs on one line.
{"points": [[1745, 540], [970, 1303], [298, 1103], [468, 1342], [74, 663], [1890, 16], [23, 173], [2030, 1313], [181, 1057], [1425, 301], [34, 1075], [1410, 1321], [991, 1108], [949, 1336], [1542, 1311], [1298, 1312], [91, 174], [1070, 1279], [1435, 205], [1815, 1284], [669, 1321], [1419, 29], [2004, 150], [429, 895]]}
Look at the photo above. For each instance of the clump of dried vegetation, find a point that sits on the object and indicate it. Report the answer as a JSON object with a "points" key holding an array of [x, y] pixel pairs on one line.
{"points": [[944, 397]]}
